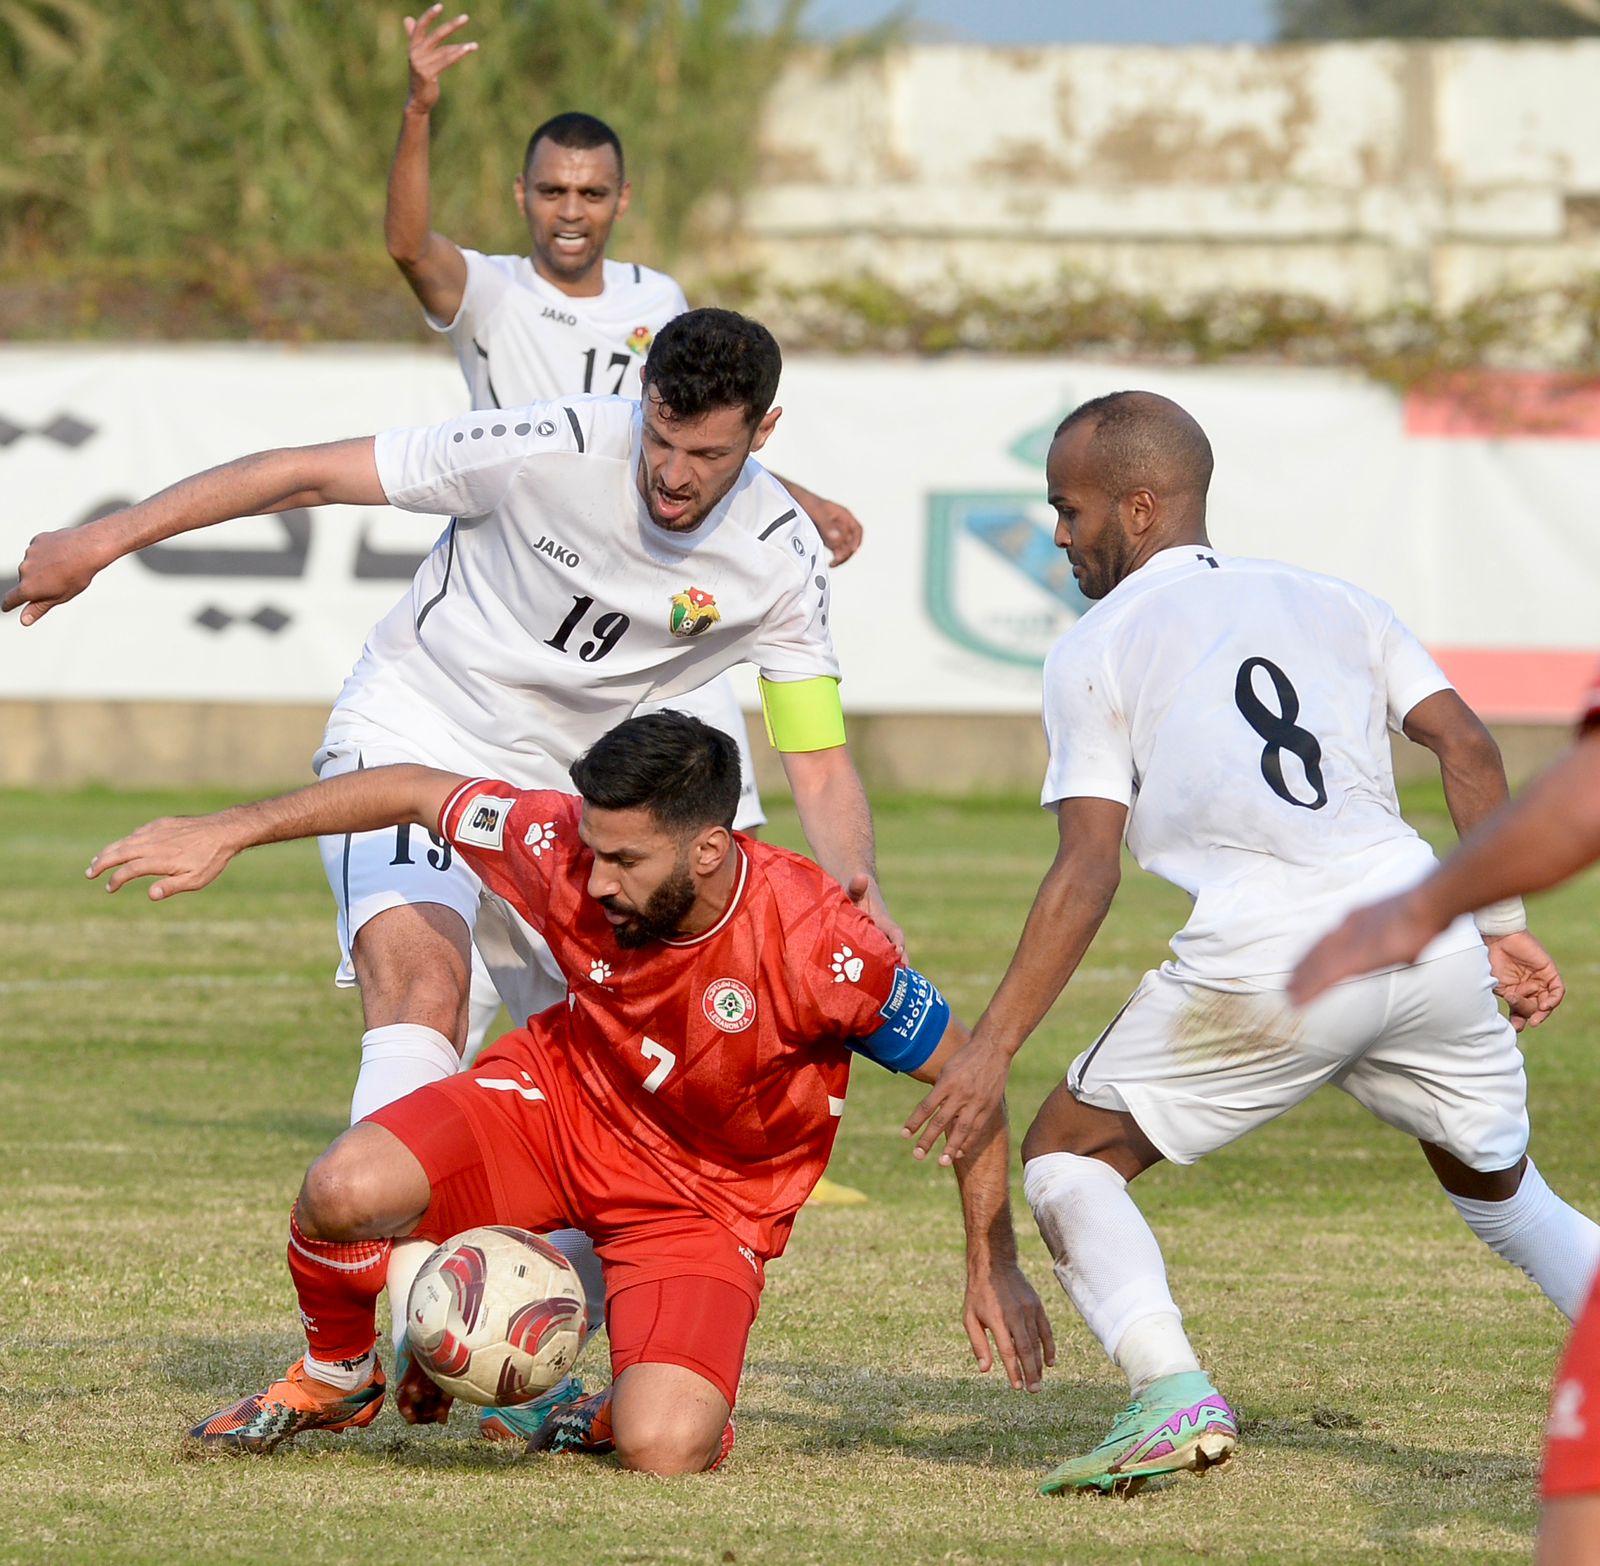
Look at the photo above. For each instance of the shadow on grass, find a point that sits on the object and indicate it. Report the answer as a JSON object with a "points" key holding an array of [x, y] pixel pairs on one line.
{"points": [[315, 1130]]}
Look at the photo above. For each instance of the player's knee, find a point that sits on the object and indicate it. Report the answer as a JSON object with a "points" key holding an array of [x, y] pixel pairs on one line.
{"points": [[666, 1443], [337, 1198]]}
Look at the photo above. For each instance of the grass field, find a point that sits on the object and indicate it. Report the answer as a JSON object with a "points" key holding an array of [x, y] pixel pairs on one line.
{"points": [[169, 1071]]}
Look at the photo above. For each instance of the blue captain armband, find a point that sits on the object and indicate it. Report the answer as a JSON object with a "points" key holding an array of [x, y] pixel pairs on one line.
{"points": [[914, 1019]]}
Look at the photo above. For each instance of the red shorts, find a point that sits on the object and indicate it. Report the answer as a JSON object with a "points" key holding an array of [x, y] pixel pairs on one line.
{"points": [[500, 1146], [1572, 1437]]}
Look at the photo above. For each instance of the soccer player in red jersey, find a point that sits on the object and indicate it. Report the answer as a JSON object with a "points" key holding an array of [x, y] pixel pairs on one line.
{"points": [[1550, 832], [678, 1106]]}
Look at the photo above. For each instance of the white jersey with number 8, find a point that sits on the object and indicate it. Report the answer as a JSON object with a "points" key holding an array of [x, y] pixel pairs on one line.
{"points": [[1241, 709]]}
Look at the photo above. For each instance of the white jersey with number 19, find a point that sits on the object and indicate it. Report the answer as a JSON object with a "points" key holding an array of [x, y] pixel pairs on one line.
{"points": [[1240, 709], [552, 604]]}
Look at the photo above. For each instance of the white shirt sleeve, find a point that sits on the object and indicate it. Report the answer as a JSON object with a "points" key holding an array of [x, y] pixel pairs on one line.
{"points": [[1091, 750], [464, 468], [1410, 674], [488, 280], [794, 642]]}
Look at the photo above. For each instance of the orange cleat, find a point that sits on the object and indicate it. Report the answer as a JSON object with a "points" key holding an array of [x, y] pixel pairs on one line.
{"points": [[259, 1422]]}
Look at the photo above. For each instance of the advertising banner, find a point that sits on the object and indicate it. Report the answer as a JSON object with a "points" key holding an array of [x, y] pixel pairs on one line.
{"points": [[1475, 510]]}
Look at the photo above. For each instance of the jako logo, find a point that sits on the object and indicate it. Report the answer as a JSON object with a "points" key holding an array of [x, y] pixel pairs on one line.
{"points": [[553, 314], [557, 552]]}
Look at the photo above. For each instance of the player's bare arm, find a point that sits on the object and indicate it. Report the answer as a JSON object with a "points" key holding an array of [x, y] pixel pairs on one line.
{"points": [[185, 853], [1550, 832], [1000, 1302], [837, 821], [1475, 786], [836, 524], [433, 265], [1072, 901], [58, 566]]}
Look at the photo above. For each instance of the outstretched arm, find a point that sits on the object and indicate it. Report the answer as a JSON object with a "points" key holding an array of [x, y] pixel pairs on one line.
{"points": [[1072, 900], [837, 821], [189, 852], [1550, 833], [837, 524], [432, 264], [59, 565], [1000, 1302]]}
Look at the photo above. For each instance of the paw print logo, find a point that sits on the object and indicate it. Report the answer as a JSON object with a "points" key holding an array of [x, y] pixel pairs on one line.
{"points": [[540, 836], [600, 972], [846, 965]]}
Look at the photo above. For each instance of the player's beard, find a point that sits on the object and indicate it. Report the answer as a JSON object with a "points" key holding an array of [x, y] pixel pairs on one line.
{"points": [[663, 912]]}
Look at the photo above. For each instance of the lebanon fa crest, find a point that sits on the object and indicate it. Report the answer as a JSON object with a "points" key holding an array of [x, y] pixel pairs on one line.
{"points": [[729, 1005], [692, 612]]}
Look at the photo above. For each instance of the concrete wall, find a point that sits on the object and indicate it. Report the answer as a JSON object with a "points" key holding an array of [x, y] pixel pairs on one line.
{"points": [[1358, 173], [256, 747]]}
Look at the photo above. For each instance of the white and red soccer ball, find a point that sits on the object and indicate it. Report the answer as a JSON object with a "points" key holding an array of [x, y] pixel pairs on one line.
{"points": [[496, 1316]]}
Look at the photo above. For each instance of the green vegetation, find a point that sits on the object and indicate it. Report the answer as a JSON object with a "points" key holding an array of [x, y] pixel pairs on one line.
{"points": [[1299, 20], [171, 1069]]}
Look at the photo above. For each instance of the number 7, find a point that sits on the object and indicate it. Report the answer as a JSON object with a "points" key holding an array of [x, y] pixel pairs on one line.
{"points": [[659, 1052]]}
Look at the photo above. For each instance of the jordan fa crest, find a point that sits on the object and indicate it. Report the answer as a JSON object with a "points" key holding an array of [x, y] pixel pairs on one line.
{"points": [[692, 612]]}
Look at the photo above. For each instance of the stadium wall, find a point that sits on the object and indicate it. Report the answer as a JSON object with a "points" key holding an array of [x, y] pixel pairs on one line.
{"points": [[1360, 174], [213, 657]]}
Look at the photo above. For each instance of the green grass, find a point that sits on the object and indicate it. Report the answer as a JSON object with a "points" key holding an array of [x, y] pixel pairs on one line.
{"points": [[169, 1070]]}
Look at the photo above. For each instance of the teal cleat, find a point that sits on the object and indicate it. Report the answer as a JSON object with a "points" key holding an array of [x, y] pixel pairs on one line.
{"points": [[522, 1421], [1178, 1422]]}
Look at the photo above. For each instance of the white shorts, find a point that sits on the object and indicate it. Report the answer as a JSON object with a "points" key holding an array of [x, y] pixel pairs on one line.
{"points": [[372, 872], [717, 705], [1197, 1063]]}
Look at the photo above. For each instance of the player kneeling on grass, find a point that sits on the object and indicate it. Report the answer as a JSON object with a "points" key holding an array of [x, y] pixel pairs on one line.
{"points": [[678, 1106]]}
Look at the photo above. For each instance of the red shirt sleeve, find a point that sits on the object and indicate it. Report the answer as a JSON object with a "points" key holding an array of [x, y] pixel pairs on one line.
{"points": [[516, 840], [1589, 722], [1572, 1436], [846, 976]]}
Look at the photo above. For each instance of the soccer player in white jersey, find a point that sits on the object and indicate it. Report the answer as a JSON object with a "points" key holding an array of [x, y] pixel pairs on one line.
{"points": [[564, 318], [1230, 718], [600, 551]]}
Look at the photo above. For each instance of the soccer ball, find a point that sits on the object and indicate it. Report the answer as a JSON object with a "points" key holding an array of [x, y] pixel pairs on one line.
{"points": [[496, 1316]]}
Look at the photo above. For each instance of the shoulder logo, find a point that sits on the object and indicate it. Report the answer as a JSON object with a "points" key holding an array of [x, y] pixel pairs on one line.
{"points": [[547, 426], [846, 965], [1566, 1413], [692, 612], [729, 1005], [639, 340], [483, 822], [540, 836]]}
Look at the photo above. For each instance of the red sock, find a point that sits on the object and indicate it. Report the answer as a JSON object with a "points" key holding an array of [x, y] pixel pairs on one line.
{"points": [[338, 1284]]}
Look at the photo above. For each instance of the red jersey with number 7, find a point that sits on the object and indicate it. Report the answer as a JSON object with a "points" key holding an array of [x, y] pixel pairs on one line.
{"points": [[725, 1056]]}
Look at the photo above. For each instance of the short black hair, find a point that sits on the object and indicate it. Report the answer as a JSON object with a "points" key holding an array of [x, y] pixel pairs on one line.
{"points": [[708, 359], [683, 771], [580, 131], [1143, 440]]}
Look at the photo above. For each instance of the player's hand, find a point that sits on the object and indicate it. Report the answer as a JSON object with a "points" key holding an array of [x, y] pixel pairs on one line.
{"points": [[186, 852], [56, 566], [1382, 935], [838, 526], [867, 895], [430, 56], [963, 1102], [1001, 1304], [1525, 978]]}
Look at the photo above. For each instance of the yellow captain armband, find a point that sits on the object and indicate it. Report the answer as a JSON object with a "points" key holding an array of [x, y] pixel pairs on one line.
{"points": [[802, 714]]}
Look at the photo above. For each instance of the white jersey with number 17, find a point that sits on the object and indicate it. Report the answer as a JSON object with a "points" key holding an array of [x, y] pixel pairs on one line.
{"points": [[519, 339], [1240, 709], [552, 604]]}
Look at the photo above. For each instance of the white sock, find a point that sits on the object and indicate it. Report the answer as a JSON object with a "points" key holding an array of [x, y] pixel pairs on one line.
{"points": [[397, 1060], [1109, 1263], [578, 1248], [345, 1374], [1553, 1243], [405, 1262]]}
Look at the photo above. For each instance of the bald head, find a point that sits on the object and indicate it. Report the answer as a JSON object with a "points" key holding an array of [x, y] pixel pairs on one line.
{"points": [[1127, 478], [1139, 440]]}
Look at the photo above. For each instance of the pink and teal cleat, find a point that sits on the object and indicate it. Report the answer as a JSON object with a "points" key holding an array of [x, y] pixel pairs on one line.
{"points": [[522, 1421], [1177, 1423]]}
